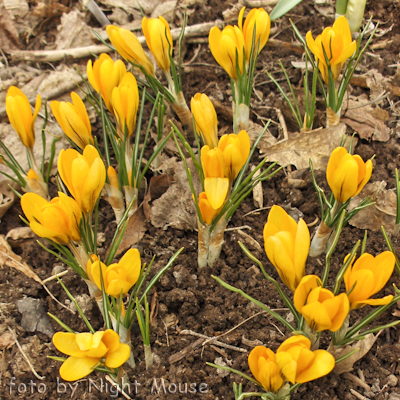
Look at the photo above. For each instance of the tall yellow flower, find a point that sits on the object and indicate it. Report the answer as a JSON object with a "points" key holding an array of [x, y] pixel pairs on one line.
{"points": [[20, 115], [259, 20], [299, 364], [74, 121], [216, 183], [83, 174], [287, 245], [236, 150], [125, 103], [338, 46], [57, 220], [228, 48], [263, 366], [347, 174], [86, 350], [129, 47], [319, 306], [119, 277], [205, 118], [369, 275], [105, 75], [159, 40]]}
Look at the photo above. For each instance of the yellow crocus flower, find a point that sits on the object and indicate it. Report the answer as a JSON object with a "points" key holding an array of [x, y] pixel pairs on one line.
{"points": [[228, 48], [86, 350], [369, 275], [338, 46], [208, 213], [113, 177], [125, 102], [299, 364], [20, 115], [319, 306], [57, 220], [236, 150], [205, 118], [119, 277], [287, 244], [216, 183], [259, 20], [83, 174], [159, 40], [73, 119], [105, 75], [129, 47], [263, 366], [347, 174]]}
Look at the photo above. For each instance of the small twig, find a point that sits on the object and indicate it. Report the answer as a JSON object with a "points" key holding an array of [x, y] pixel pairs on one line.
{"points": [[238, 227], [154, 307], [118, 387], [277, 329], [196, 53], [315, 222], [54, 277], [187, 350], [257, 210], [357, 381], [358, 395]]}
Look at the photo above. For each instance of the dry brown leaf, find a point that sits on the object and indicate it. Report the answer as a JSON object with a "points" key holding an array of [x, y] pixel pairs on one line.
{"points": [[8, 31], [383, 213], [297, 150], [158, 186], [6, 340], [258, 197], [7, 196], [254, 131], [363, 347], [165, 10]]}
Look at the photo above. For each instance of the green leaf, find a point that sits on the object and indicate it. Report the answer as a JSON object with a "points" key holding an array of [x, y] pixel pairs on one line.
{"points": [[282, 8]]}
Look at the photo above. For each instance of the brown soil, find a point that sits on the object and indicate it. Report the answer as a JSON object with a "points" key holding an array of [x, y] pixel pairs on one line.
{"points": [[189, 298]]}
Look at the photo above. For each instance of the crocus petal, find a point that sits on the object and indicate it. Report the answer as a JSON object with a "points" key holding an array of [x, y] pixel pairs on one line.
{"points": [[118, 357], [216, 190], [132, 263], [322, 365], [67, 344], [75, 368]]}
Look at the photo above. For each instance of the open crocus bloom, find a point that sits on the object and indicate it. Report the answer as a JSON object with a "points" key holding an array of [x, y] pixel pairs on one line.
{"points": [[263, 366], [286, 244], [369, 275], [299, 364], [86, 350], [338, 46], [347, 174]]}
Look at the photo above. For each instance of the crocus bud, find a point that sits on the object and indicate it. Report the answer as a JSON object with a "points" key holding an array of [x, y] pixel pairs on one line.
{"points": [[159, 40], [57, 220], [129, 47], [207, 212], [86, 350], [20, 115], [228, 48], [125, 102], [319, 306], [236, 150], [287, 244], [368, 276], [74, 121], [263, 366], [216, 183], [120, 277], [205, 118], [259, 20], [105, 75], [338, 46], [299, 364], [83, 174], [347, 174]]}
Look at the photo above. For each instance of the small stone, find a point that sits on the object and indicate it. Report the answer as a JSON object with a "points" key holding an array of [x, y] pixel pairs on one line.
{"points": [[394, 396], [58, 268], [392, 380]]}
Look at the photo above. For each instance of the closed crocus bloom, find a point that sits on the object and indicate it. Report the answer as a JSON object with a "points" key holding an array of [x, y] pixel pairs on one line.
{"points": [[338, 46], [205, 118], [105, 75], [57, 220], [263, 366], [369, 275], [227, 47], [119, 277], [207, 212], [236, 150], [74, 120], [86, 350], [159, 40], [299, 364], [83, 174], [347, 174], [129, 47], [20, 115], [319, 306], [125, 102], [216, 183], [287, 244], [259, 19]]}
